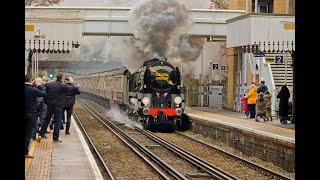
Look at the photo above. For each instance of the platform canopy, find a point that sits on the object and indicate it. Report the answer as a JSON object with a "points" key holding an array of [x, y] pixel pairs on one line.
{"points": [[270, 31], [56, 29], [48, 31]]}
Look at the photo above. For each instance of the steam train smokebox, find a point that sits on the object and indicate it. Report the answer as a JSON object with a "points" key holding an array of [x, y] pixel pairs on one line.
{"points": [[160, 75]]}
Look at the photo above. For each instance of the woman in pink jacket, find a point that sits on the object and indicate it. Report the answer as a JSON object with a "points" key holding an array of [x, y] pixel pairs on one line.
{"points": [[245, 108]]}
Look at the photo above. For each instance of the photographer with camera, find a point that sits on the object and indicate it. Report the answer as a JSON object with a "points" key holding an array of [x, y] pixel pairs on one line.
{"points": [[56, 91], [72, 90]]}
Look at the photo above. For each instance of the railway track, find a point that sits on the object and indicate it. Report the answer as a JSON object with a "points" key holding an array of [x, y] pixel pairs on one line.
{"points": [[118, 158], [243, 161], [265, 173], [105, 169], [208, 171]]}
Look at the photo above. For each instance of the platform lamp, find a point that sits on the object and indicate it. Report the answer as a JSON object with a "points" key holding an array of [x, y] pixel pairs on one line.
{"points": [[50, 75]]}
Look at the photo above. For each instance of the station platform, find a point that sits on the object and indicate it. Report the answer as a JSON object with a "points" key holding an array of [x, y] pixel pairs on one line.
{"points": [[69, 159], [269, 141], [274, 129]]}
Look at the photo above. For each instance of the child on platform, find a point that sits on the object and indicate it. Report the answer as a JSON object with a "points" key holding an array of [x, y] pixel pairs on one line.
{"points": [[267, 97], [244, 105]]}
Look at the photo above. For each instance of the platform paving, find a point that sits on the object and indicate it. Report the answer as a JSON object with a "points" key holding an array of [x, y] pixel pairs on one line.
{"points": [[69, 159]]}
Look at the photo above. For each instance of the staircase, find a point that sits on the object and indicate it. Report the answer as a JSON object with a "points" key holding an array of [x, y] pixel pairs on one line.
{"points": [[278, 71]]}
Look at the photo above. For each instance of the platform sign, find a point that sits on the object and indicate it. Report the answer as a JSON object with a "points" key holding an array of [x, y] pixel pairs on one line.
{"points": [[278, 59], [223, 68], [260, 54], [215, 66], [29, 27]]}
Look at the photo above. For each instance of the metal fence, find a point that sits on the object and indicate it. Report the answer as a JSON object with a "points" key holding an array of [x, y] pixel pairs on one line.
{"points": [[274, 102], [216, 98], [193, 96]]}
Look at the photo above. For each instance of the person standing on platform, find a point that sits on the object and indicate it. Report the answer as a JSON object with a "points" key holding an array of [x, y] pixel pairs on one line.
{"points": [[70, 101], [245, 108], [284, 95], [252, 97], [267, 97], [30, 113], [40, 102], [262, 87], [56, 95]]}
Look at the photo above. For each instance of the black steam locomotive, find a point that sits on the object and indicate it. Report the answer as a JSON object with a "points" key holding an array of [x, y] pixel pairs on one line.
{"points": [[151, 95]]}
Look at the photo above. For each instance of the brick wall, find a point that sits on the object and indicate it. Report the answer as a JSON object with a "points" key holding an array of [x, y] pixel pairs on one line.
{"points": [[240, 5], [278, 152], [232, 69], [279, 6]]}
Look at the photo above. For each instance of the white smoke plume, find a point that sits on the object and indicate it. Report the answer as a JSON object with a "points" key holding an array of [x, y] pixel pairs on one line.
{"points": [[154, 22], [116, 115], [159, 31], [160, 28], [134, 104]]}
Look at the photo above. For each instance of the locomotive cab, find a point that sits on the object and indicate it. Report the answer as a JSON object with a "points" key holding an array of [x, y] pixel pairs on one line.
{"points": [[160, 101]]}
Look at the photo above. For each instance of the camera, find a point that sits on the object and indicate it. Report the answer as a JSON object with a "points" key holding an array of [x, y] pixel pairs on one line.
{"points": [[67, 79]]}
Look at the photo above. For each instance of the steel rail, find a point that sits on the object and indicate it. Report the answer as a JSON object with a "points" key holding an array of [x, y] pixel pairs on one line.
{"points": [[213, 171], [134, 145], [110, 176], [241, 160]]}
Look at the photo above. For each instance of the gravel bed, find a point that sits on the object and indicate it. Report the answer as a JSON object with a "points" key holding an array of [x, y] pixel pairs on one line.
{"points": [[244, 174], [169, 157], [230, 165], [122, 161], [173, 160], [212, 157]]}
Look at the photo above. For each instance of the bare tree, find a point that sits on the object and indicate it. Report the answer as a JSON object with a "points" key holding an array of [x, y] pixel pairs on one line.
{"points": [[41, 2], [221, 4], [292, 7]]}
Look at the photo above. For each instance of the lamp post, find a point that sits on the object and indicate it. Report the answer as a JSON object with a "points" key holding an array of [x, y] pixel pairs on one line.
{"points": [[285, 54], [247, 9], [210, 85], [201, 82], [256, 6], [181, 77]]}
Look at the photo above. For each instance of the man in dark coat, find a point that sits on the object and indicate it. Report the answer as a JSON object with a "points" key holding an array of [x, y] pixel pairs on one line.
{"points": [[284, 96], [70, 101], [262, 87], [56, 97], [30, 117]]}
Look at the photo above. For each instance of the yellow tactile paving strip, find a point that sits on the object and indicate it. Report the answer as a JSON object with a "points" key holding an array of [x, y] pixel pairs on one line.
{"points": [[39, 166], [246, 123]]}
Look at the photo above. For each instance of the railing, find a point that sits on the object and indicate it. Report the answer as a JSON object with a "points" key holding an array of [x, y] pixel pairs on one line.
{"points": [[219, 96], [193, 97], [266, 75]]}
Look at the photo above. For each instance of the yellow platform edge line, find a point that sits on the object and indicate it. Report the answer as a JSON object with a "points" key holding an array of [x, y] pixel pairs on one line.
{"points": [[31, 150]]}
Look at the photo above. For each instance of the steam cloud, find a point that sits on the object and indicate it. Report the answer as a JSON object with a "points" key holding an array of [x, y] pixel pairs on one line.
{"points": [[159, 31], [154, 23], [160, 28], [116, 115]]}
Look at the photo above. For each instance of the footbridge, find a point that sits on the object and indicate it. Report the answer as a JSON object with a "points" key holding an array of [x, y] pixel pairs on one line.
{"points": [[60, 29]]}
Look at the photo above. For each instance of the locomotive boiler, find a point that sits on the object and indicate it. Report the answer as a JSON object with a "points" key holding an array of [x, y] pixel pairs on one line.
{"points": [[151, 95]]}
